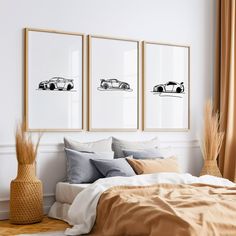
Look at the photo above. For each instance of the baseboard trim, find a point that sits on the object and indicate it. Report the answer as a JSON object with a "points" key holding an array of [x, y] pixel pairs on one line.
{"points": [[4, 215]]}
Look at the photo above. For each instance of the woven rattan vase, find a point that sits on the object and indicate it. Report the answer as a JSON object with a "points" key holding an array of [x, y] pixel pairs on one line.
{"points": [[210, 167], [26, 198]]}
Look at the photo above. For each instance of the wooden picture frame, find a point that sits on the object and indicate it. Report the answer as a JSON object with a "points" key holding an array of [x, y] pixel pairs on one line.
{"points": [[148, 113], [106, 43], [59, 93]]}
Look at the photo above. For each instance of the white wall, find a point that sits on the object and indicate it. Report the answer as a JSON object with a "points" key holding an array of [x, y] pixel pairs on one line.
{"points": [[182, 22]]}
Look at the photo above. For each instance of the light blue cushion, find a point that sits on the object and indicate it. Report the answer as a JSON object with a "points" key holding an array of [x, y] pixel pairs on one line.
{"points": [[151, 153], [79, 167], [115, 167]]}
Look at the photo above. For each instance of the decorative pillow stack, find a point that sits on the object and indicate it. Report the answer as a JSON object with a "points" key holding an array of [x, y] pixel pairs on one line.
{"points": [[87, 162]]}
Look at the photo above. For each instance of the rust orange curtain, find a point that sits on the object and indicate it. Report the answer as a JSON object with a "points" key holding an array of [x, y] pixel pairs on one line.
{"points": [[225, 84]]}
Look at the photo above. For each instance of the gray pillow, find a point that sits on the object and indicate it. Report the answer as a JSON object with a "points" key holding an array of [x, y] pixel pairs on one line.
{"points": [[118, 145], [115, 167], [152, 153], [79, 167], [103, 145]]}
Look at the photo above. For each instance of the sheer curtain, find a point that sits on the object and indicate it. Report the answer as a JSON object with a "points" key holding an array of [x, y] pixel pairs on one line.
{"points": [[225, 84]]}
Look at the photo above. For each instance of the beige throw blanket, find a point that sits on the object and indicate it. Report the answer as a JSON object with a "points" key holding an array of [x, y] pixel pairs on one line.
{"points": [[167, 209]]}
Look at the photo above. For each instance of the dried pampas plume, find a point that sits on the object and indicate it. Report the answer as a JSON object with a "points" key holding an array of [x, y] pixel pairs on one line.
{"points": [[26, 151], [212, 138]]}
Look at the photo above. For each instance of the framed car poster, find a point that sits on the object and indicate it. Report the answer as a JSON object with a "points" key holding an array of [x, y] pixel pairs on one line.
{"points": [[113, 84], [166, 76], [53, 80]]}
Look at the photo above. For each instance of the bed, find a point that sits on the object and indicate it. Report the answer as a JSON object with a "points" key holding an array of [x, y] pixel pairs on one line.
{"points": [[136, 190], [149, 204]]}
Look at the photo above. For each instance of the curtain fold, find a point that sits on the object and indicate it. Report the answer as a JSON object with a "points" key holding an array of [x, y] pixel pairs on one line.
{"points": [[225, 84]]}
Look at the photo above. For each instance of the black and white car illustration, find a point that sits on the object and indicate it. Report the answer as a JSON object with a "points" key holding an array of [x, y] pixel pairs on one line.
{"points": [[169, 87], [58, 83], [113, 84]]}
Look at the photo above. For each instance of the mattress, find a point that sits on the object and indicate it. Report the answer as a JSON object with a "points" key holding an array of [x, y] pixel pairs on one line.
{"points": [[66, 193]]}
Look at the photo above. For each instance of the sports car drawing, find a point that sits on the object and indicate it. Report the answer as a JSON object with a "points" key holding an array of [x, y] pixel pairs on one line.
{"points": [[169, 87], [58, 83], [114, 84]]}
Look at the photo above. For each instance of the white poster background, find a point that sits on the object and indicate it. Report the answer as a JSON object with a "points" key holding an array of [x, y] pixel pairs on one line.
{"points": [[165, 63], [113, 59], [54, 55]]}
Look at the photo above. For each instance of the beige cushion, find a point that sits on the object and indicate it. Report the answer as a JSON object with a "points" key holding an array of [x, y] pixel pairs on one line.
{"points": [[153, 166]]}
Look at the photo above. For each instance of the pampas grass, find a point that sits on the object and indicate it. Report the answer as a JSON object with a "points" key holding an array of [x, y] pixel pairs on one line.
{"points": [[26, 151], [212, 138]]}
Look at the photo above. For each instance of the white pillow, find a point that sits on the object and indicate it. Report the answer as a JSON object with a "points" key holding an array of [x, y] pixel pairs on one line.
{"points": [[100, 146]]}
